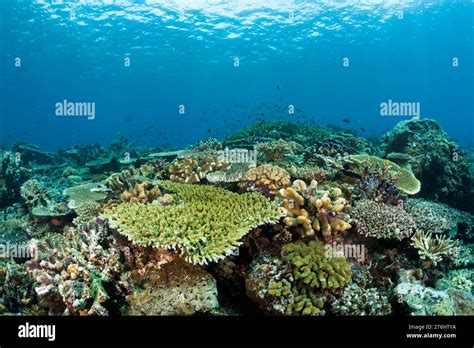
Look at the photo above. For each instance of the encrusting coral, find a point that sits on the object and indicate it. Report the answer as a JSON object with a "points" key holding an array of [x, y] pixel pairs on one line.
{"points": [[205, 223], [161, 283], [405, 179], [266, 179]]}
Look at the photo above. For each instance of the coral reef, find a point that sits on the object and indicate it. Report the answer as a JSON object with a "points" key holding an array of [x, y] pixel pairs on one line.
{"points": [[192, 170], [436, 160], [323, 208], [141, 193], [164, 284], [358, 301], [266, 179], [405, 179], [380, 220], [275, 151], [205, 224], [432, 249]]}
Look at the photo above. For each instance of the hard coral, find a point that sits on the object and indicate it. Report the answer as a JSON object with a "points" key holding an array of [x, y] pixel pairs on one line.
{"points": [[204, 223], [141, 193], [191, 170], [380, 220], [432, 250], [432, 152], [315, 210], [266, 179]]}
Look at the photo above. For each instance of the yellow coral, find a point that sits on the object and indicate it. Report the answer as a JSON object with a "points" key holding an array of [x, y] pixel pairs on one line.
{"points": [[204, 223], [325, 209], [266, 178], [140, 193]]}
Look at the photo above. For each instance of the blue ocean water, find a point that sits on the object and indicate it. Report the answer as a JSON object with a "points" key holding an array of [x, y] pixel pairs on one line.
{"points": [[229, 64]]}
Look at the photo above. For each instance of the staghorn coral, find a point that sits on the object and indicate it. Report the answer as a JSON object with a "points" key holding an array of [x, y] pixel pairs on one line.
{"points": [[266, 179], [323, 208], [432, 250], [191, 170], [275, 151], [141, 193], [359, 301], [204, 224], [380, 220]]}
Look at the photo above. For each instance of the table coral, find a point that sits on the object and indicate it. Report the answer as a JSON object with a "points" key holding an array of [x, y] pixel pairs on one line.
{"points": [[266, 179], [205, 223]]}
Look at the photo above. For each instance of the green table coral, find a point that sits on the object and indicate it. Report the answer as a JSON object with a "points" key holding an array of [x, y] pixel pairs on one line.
{"points": [[205, 223]]}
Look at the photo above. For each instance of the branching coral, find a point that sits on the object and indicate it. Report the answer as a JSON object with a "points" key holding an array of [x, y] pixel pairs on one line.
{"points": [[266, 179], [297, 282], [437, 217], [432, 250], [358, 301], [380, 220], [322, 212], [34, 194], [191, 170], [275, 151], [405, 179], [205, 224], [141, 193]]}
